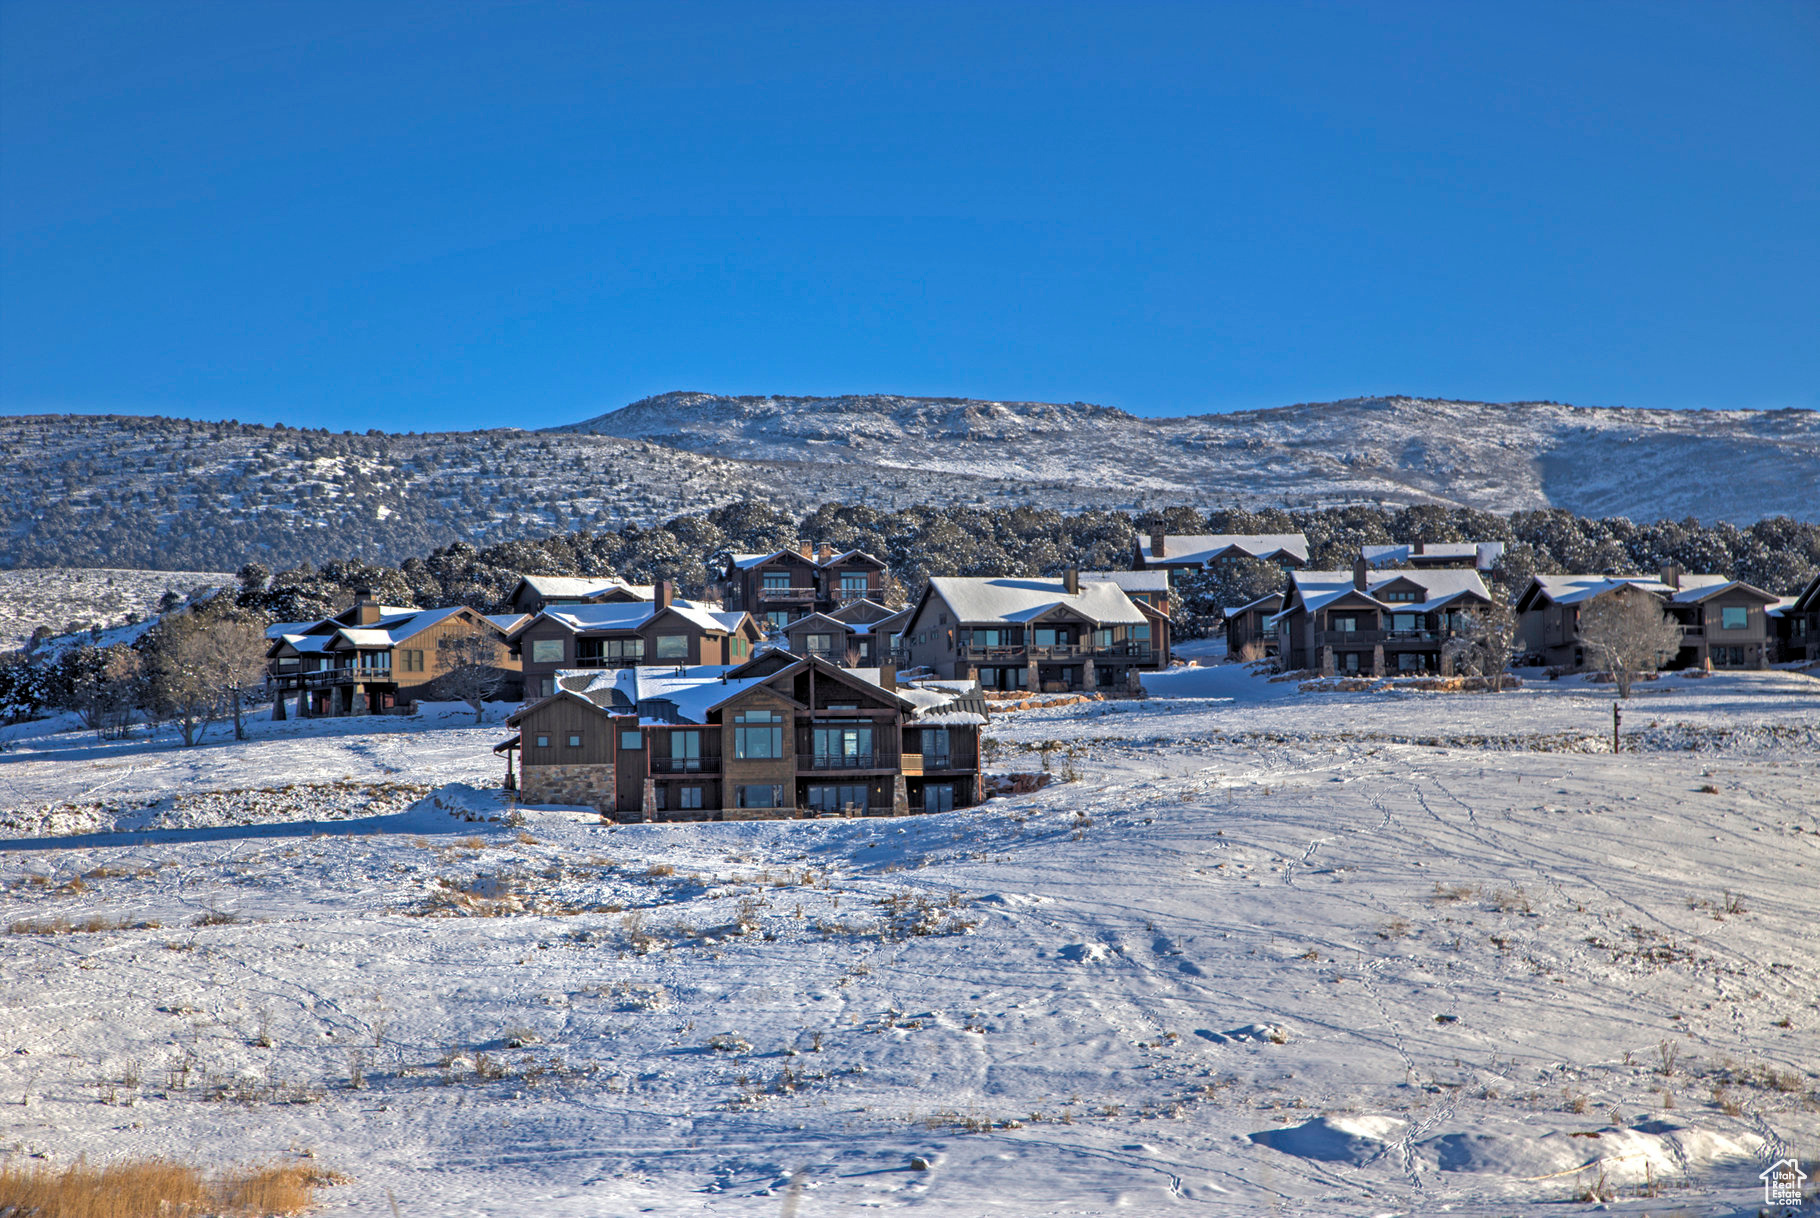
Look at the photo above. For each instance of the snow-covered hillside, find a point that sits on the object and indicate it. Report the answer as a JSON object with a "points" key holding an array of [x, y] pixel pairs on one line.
{"points": [[116, 491], [1271, 952], [72, 598], [1647, 464]]}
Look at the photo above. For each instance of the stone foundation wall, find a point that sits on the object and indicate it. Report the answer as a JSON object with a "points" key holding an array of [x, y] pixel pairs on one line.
{"points": [[589, 785]]}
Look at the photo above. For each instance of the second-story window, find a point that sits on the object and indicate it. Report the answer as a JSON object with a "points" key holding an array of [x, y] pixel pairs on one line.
{"points": [[854, 584], [546, 651], [1734, 617], [777, 581], [672, 646], [819, 644], [758, 734], [1102, 638]]}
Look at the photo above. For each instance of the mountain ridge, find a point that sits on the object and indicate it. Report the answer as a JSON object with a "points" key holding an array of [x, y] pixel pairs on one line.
{"points": [[143, 492]]}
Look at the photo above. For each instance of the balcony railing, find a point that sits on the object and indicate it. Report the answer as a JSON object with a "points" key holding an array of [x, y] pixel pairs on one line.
{"points": [[686, 765], [786, 596], [843, 595], [608, 661], [1018, 653], [1364, 638], [875, 760], [324, 678]]}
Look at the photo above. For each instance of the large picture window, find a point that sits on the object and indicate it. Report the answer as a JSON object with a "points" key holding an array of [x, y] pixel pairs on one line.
{"points": [[758, 734], [843, 745], [546, 651], [752, 795], [1734, 617], [672, 646]]}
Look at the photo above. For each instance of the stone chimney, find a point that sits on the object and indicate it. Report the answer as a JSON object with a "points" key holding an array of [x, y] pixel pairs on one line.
{"points": [[366, 609], [1671, 575], [824, 553], [1071, 580], [1359, 579], [1158, 543], [887, 676], [806, 549], [1420, 545], [663, 594]]}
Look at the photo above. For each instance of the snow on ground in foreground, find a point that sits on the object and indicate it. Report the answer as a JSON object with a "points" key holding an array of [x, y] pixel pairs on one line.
{"points": [[1273, 952]]}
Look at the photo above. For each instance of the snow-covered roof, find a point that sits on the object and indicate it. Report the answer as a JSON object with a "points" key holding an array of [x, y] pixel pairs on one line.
{"points": [[746, 562], [1578, 589], [279, 630], [697, 690], [1485, 554], [1315, 590], [1203, 547], [1783, 605], [1131, 581], [628, 615], [976, 599], [549, 586], [1693, 594], [819, 619], [1262, 602], [507, 622], [730, 619], [305, 644]]}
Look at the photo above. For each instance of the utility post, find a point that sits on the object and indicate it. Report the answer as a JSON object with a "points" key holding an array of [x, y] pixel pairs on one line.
{"points": [[1617, 717]]}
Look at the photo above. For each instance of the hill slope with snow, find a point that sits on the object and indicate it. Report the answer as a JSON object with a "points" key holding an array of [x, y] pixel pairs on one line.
{"points": [[115, 491], [1647, 464]]}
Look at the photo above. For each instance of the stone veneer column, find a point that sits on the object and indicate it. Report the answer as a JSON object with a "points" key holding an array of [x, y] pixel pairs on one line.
{"points": [[1377, 659], [648, 808], [900, 796], [1326, 661]]}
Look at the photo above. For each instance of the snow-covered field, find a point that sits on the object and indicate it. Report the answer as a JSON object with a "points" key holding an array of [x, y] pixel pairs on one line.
{"points": [[1270, 952]]}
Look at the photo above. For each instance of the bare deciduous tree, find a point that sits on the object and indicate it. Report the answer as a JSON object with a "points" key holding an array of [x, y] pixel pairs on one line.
{"points": [[1486, 641], [1626, 632], [472, 668], [200, 668]]}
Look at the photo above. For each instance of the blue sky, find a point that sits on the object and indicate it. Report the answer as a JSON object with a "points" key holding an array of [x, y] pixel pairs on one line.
{"points": [[429, 216]]}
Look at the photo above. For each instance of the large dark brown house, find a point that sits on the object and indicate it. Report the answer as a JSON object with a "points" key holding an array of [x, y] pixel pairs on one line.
{"points": [[1034, 634], [784, 585], [1795, 622], [778, 736], [1724, 622], [628, 634], [535, 593], [1196, 551], [373, 658], [1250, 626], [859, 634], [1377, 622]]}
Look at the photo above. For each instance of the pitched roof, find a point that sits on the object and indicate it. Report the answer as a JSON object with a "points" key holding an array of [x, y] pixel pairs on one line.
{"points": [[1131, 581], [1686, 595], [629, 615], [1263, 602], [694, 692], [1578, 589], [975, 599], [1201, 547], [548, 586], [1485, 554], [1313, 590]]}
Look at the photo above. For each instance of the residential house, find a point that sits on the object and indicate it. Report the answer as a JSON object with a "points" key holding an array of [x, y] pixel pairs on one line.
{"points": [[373, 658], [1250, 626], [1427, 555], [535, 593], [1150, 587], [784, 585], [856, 635], [1795, 622], [1196, 551], [1376, 622], [1035, 634], [777, 736], [1724, 622], [629, 634]]}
